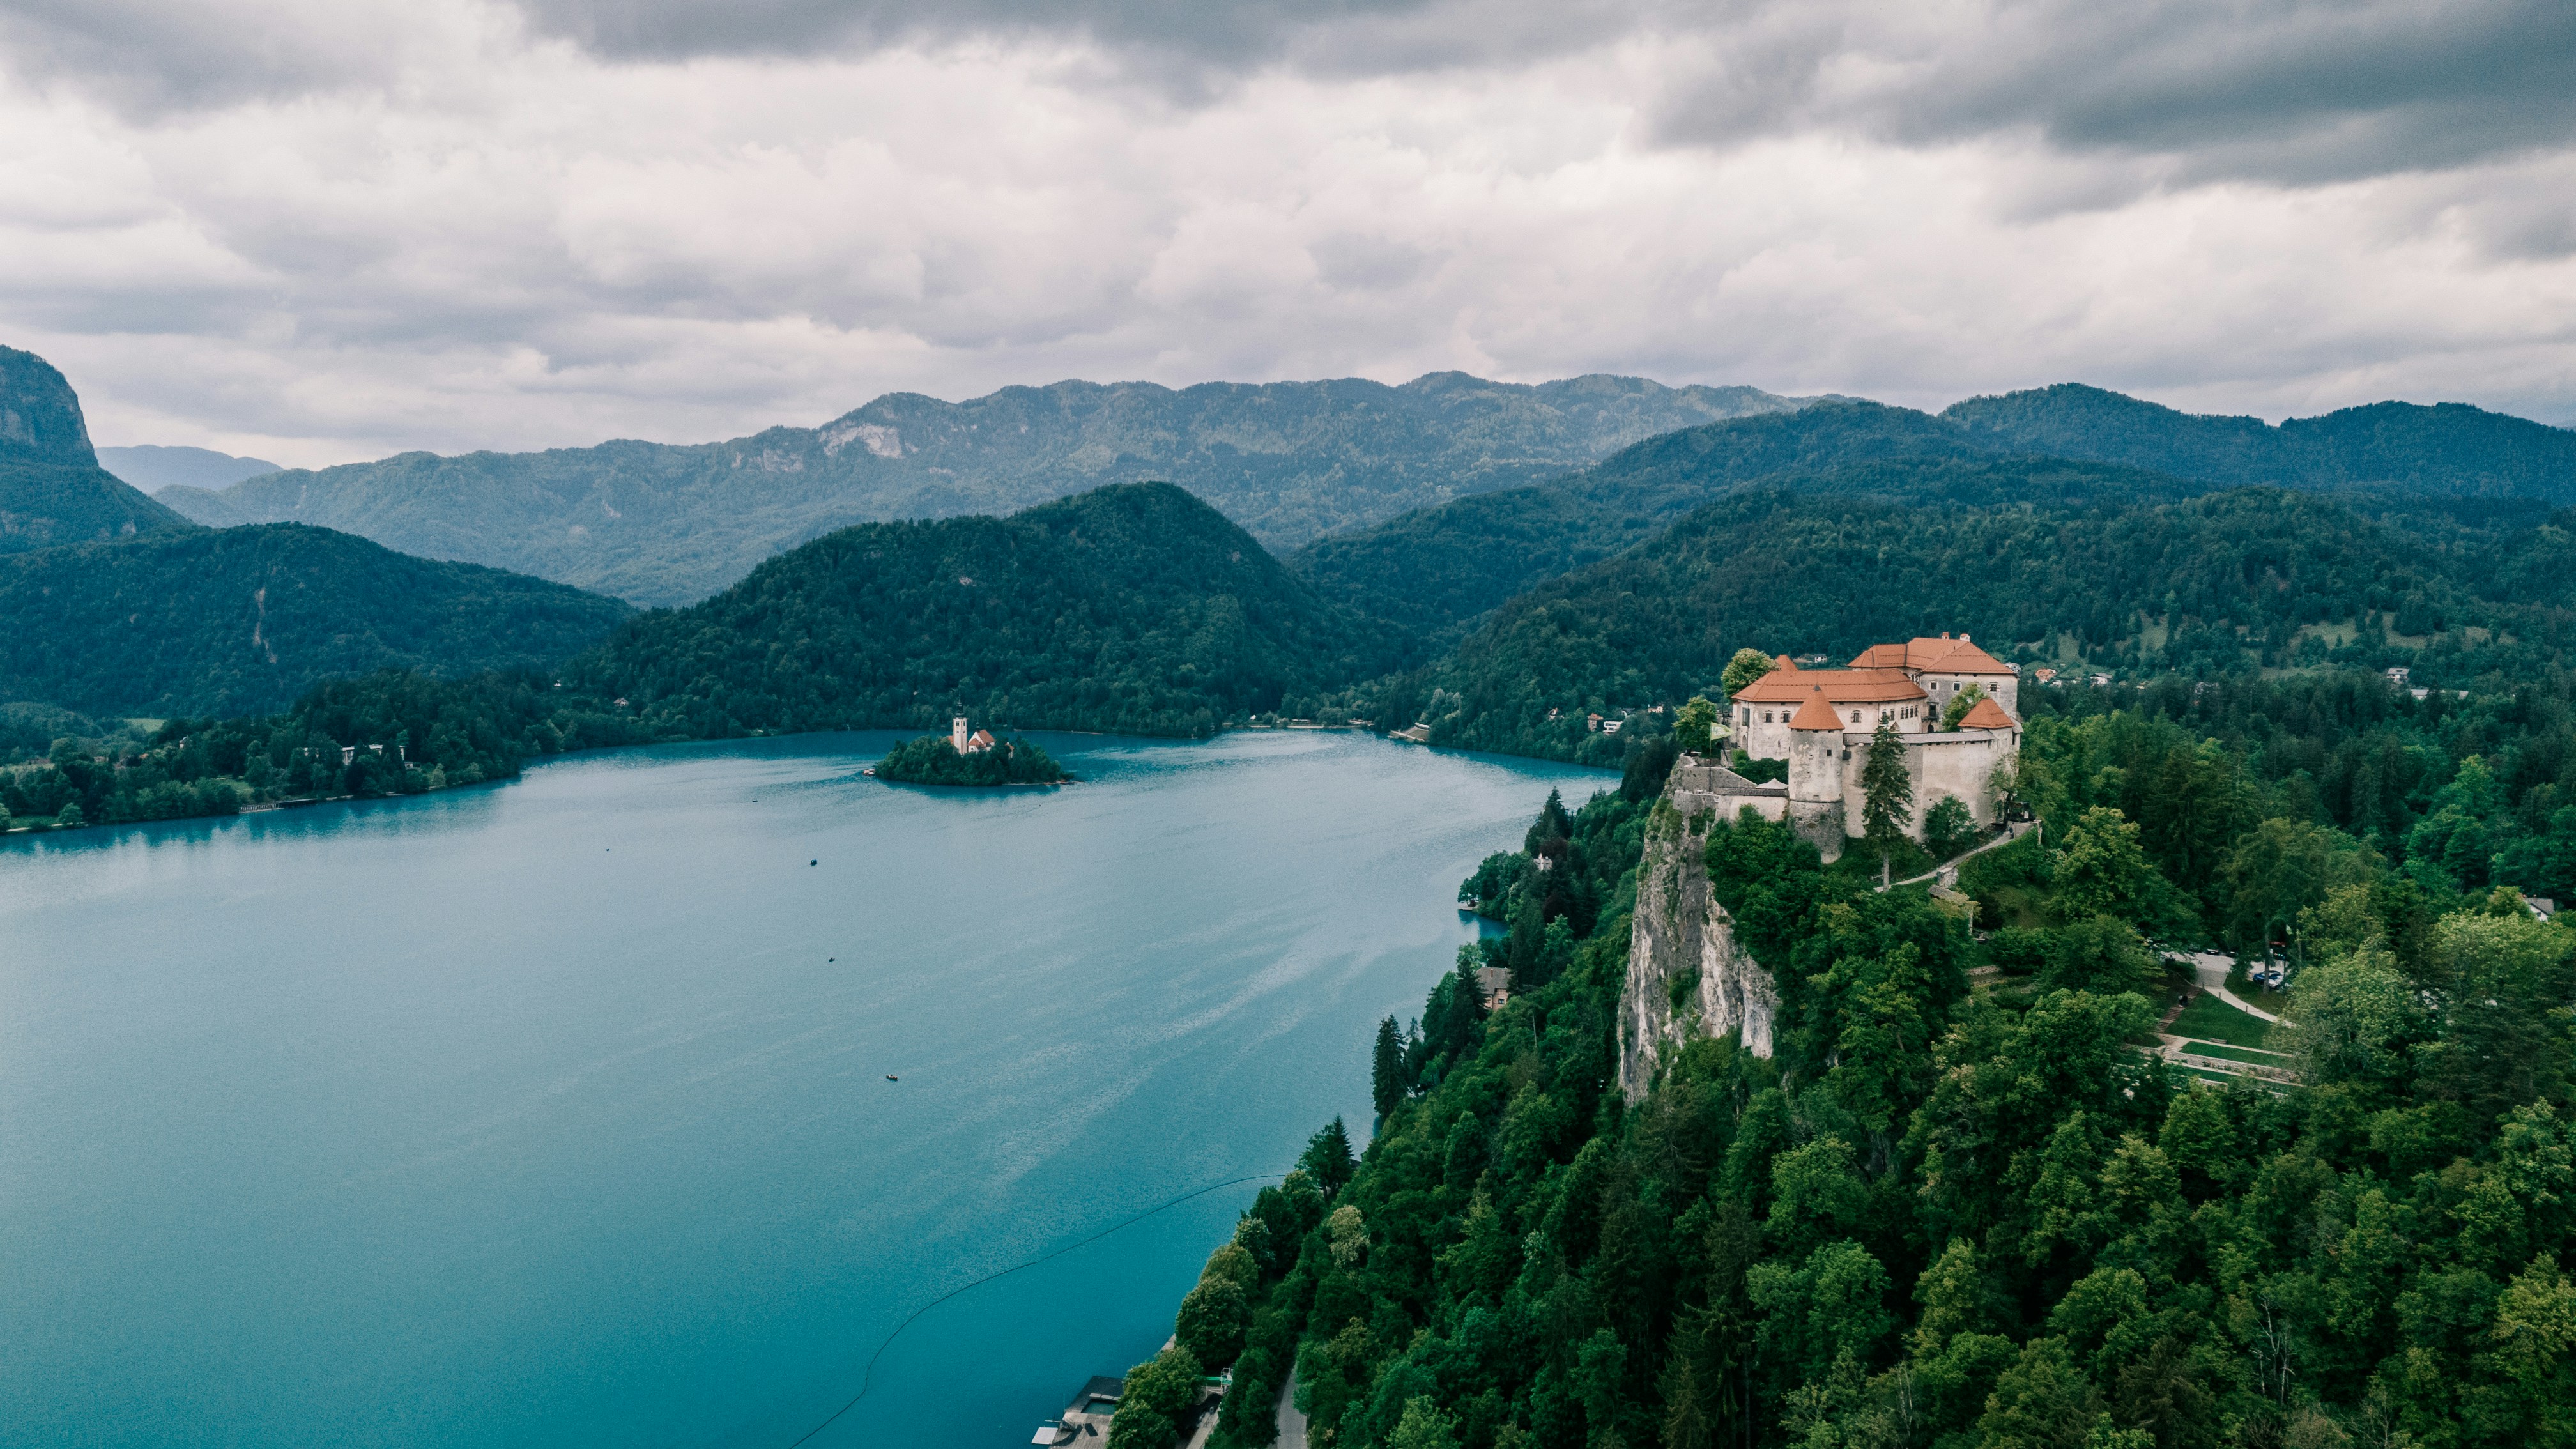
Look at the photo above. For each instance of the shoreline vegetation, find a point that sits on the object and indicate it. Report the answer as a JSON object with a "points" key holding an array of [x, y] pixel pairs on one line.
{"points": [[1964, 1202], [934, 760]]}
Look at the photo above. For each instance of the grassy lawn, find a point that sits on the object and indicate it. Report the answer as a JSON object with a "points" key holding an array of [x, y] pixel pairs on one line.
{"points": [[2211, 1019]]}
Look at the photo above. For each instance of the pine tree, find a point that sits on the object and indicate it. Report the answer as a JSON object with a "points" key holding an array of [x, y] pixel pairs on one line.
{"points": [[1386, 1078], [1887, 790], [1328, 1157], [1551, 824]]}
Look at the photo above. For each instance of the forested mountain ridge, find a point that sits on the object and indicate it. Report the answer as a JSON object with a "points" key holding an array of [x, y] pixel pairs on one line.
{"points": [[2218, 584], [2445, 449], [1441, 567], [244, 620], [51, 487], [1134, 608], [663, 524]]}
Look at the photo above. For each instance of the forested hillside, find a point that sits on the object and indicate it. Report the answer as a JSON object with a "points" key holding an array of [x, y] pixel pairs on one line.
{"points": [[388, 733], [1134, 608], [243, 620], [1956, 1209], [2449, 449], [1441, 568], [52, 490], [668, 525], [2218, 584]]}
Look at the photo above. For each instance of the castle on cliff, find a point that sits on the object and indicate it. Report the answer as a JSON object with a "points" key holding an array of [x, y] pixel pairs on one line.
{"points": [[1821, 721], [1688, 976]]}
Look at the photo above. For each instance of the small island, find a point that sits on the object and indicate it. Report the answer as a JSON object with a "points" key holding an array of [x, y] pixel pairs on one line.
{"points": [[963, 758]]}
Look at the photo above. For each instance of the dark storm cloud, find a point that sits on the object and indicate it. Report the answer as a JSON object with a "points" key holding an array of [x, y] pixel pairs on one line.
{"points": [[2281, 90], [1220, 33], [149, 56]]}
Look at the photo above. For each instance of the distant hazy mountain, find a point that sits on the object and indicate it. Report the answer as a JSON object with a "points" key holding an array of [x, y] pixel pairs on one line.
{"points": [[1133, 608], [1438, 568], [665, 524], [51, 487], [242, 620], [150, 466]]}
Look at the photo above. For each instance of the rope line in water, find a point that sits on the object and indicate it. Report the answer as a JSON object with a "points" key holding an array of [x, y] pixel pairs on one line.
{"points": [[867, 1381]]}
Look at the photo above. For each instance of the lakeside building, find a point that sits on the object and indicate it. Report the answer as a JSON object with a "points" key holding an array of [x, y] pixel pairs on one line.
{"points": [[968, 744], [1821, 721]]}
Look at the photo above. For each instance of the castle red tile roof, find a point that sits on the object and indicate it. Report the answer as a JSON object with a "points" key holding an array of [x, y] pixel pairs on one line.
{"points": [[1840, 686], [1816, 714], [1988, 715], [1944, 655]]}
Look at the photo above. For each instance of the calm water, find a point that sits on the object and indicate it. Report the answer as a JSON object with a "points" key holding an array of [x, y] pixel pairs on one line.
{"points": [[558, 1113]]}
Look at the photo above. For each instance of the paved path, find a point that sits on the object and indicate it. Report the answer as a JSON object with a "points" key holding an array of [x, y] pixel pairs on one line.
{"points": [[1292, 1425], [2011, 833], [2212, 970]]}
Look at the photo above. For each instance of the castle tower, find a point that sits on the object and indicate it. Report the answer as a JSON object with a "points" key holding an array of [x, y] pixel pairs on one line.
{"points": [[1816, 772], [957, 734]]}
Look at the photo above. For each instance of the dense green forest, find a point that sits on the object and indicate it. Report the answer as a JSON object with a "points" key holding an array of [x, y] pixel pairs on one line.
{"points": [[1134, 608], [1956, 1210], [667, 525], [2215, 585], [389, 733], [1440, 568], [934, 760], [243, 620], [2447, 449], [52, 490]]}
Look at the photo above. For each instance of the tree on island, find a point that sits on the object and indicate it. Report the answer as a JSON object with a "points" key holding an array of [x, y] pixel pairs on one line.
{"points": [[932, 760]]}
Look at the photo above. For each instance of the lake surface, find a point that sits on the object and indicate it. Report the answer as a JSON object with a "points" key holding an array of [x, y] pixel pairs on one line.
{"points": [[557, 1113]]}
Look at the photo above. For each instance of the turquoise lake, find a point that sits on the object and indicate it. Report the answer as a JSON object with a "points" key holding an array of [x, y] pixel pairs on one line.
{"points": [[558, 1112]]}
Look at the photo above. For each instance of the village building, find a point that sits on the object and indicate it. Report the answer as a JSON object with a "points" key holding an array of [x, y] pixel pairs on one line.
{"points": [[968, 744], [1821, 722]]}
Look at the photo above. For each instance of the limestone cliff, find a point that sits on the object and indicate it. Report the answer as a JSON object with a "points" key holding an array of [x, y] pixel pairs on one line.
{"points": [[1687, 977]]}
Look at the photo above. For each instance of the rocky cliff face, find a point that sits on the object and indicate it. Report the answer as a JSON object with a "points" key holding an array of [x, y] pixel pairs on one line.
{"points": [[52, 490], [40, 417], [1687, 977]]}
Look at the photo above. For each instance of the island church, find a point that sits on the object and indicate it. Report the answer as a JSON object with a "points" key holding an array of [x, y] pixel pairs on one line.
{"points": [[1822, 720]]}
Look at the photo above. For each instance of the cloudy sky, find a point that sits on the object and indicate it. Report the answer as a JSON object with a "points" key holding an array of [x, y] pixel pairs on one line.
{"points": [[321, 230]]}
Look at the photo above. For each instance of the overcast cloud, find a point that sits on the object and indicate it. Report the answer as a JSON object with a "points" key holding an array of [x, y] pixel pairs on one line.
{"points": [[318, 230]]}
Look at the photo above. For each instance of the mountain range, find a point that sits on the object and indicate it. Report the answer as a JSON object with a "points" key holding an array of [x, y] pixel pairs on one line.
{"points": [[665, 524], [2068, 523], [1441, 567], [114, 604]]}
